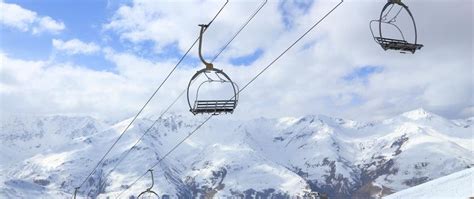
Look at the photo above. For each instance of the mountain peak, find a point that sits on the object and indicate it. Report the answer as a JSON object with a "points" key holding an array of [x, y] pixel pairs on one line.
{"points": [[417, 114]]}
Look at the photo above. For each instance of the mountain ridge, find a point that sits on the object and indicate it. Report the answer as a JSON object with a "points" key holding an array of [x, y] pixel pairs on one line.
{"points": [[278, 157]]}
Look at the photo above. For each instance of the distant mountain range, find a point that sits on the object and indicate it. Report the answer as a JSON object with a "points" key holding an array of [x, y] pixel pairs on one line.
{"points": [[47, 156]]}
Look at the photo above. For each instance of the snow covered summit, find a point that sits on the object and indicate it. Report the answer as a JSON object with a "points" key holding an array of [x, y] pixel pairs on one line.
{"points": [[48, 156]]}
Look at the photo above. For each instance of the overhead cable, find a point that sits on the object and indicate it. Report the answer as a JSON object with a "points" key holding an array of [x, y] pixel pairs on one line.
{"points": [[246, 85]]}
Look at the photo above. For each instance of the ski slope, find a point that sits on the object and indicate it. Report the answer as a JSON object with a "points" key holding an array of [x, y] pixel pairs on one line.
{"points": [[457, 185]]}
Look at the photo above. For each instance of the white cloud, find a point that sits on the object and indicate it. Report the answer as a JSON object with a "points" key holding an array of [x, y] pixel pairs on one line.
{"points": [[47, 24], [15, 16], [305, 81], [75, 46], [167, 22], [43, 87], [39, 87]]}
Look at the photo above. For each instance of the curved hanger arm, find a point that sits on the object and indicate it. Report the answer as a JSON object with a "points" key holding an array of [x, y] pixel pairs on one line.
{"points": [[75, 192], [203, 29], [209, 66], [152, 180]]}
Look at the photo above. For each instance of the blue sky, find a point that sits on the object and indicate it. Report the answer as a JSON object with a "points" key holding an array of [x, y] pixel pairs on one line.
{"points": [[83, 20], [363, 73], [128, 46], [247, 59]]}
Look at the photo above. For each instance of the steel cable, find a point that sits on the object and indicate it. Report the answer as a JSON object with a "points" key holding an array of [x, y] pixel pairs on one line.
{"points": [[143, 107], [181, 94], [246, 85]]}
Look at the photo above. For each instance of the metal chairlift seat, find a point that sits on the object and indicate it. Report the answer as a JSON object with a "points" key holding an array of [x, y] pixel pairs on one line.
{"points": [[390, 43], [214, 106], [396, 44], [211, 106]]}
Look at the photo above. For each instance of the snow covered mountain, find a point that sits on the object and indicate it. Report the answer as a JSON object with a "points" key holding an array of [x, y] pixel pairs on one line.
{"points": [[457, 185], [46, 157]]}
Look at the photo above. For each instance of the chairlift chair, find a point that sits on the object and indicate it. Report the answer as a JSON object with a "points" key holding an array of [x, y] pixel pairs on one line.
{"points": [[398, 44], [148, 193], [211, 106]]}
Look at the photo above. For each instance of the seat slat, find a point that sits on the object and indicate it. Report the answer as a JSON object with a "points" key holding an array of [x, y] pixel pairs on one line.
{"points": [[214, 106], [213, 110], [216, 100], [381, 39], [223, 104], [395, 44]]}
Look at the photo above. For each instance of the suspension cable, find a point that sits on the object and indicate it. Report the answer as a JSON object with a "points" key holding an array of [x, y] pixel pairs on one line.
{"points": [[240, 30], [169, 152], [182, 93], [146, 103], [246, 85]]}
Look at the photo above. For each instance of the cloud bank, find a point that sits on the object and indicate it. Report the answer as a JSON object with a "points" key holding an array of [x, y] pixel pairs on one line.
{"points": [[337, 70]]}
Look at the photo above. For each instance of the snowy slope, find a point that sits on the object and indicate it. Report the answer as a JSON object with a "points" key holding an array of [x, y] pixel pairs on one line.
{"points": [[48, 156], [457, 185], [351, 158]]}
